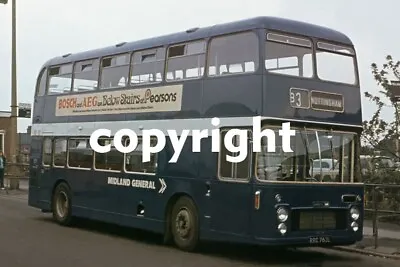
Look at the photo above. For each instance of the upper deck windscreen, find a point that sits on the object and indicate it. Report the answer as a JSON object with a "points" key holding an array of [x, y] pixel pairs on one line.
{"points": [[293, 56]]}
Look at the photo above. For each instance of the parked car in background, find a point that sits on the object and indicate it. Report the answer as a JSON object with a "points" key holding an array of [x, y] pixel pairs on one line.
{"points": [[326, 166]]}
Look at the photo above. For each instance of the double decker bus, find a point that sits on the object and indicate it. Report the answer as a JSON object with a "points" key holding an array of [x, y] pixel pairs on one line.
{"points": [[276, 69]]}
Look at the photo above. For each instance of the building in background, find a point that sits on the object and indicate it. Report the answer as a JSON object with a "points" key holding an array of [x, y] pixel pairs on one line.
{"points": [[5, 129], [23, 140]]}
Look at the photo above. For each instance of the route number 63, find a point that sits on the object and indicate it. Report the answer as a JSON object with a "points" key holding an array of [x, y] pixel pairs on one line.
{"points": [[295, 98]]}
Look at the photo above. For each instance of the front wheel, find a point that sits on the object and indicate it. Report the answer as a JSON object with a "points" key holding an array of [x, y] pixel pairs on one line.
{"points": [[62, 204], [184, 223]]}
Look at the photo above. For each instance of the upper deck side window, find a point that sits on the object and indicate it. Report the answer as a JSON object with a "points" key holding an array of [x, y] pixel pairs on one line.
{"points": [[114, 71], [233, 54], [60, 79], [41, 82], [148, 66], [86, 75], [288, 55], [336, 63], [186, 61]]}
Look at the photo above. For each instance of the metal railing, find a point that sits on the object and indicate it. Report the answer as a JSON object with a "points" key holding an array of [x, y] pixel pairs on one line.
{"points": [[382, 202]]}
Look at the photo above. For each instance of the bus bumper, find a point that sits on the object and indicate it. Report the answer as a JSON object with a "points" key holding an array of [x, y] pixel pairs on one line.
{"points": [[313, 240]]}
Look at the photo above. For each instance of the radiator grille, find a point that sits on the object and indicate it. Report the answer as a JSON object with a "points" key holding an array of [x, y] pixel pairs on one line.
{"points": [[309, 220]]}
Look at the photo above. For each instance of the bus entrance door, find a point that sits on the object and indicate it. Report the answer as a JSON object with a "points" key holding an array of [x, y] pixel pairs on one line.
{"points": [[231, 194], [230, 207]]}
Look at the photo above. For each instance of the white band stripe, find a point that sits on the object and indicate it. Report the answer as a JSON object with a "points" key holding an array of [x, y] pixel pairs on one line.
{"points": [[87, 128]]}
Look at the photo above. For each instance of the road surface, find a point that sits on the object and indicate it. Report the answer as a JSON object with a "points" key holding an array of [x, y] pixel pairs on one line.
{"points": [[29, 238]]}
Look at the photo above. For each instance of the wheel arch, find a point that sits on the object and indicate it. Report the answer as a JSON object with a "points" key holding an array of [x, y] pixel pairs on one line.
{"points": [[168, 210]]}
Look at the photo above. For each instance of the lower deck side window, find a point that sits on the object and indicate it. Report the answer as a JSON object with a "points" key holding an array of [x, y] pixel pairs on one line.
{"points": [[80, 154], [134, 160], [112, 160]]}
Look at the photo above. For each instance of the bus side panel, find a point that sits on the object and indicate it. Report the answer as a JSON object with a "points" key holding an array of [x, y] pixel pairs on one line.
{"points": [[151, 194], [119, 200], [244, 97]]}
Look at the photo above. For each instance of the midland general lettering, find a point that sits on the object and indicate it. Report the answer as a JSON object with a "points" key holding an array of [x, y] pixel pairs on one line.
{"points": [[133, 183]]}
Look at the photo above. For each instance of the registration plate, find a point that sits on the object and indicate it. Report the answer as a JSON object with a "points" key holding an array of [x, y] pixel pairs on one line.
{"points": [[320, 240]]}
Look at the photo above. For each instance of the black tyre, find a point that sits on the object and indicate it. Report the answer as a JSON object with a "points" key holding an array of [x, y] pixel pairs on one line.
{"points": [[185, 224], [61, 204]]}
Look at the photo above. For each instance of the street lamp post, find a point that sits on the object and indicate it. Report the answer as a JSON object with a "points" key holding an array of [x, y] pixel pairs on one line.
{"points": [[14, 106]]}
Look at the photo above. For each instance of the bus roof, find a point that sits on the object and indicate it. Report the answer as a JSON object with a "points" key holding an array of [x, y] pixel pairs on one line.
{"points": [[271, 23]]}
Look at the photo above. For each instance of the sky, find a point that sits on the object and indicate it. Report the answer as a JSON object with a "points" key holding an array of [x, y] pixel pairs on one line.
{"points": [[50, 28]]}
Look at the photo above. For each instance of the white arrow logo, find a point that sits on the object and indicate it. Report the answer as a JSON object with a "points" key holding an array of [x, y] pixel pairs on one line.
{"points": [[163, 186]]}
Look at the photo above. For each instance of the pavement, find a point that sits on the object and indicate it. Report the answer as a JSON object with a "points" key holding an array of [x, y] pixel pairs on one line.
{"points": [[387, 243], [23, 188]]}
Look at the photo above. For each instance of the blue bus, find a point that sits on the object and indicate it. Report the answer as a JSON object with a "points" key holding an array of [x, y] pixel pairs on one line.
{"points": [[276, 69]]}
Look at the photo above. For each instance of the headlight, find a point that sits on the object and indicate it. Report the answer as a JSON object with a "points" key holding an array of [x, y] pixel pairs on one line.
{"points": [[354, 225], [355, 213], [282, 228], [282, 214]]}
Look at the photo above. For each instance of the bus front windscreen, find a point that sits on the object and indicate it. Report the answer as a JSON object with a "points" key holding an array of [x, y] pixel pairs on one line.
{"points": [[318, 156]]}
